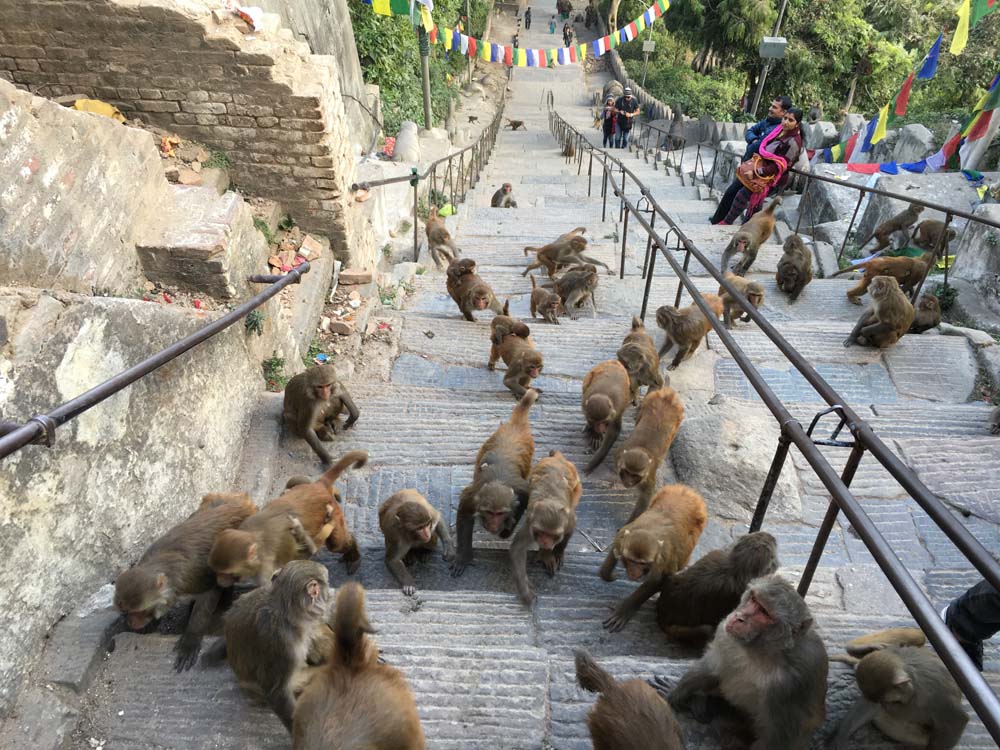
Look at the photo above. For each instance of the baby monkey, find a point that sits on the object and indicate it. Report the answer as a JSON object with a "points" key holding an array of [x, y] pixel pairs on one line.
{"points": [[411, 526], [752, 290]]}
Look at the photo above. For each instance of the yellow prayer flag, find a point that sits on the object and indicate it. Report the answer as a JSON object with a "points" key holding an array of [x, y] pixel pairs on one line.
{"points": [[445, 35], [880, 127], [485, 50], [381, 7], [425, 17], [521, 58], [581, 53], [961, 37]]}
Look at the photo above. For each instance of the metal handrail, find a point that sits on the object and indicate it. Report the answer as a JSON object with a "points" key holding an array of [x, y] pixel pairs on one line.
{"points": [[979, 693], [44, 426]]}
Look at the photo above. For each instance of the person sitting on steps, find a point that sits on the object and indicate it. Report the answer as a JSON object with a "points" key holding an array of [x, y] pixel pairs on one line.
{"points": [[973, 618]]}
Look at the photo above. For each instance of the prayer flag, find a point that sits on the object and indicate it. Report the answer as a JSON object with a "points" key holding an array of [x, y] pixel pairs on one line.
{"points": [[434, 35], [929, 68], [934, 162], [623, 36], [542, 62], [456, 39], [522, 58], [649, 16], [581, 54], [572, 54], [970, 12], [866, 144], [880, 127], [495, 54], [426, 19], [447, 38], [899, 107], [612, 39], [992, 99], [836, 152], [640, 22], [507, 55], [486, 51], [563, 55], [472, 47], [663, 5], [532, 57], [600, 46], [863, 168], [828, 154], [888, 167], [849, 146], [391, 7], [915, 166], [463, 41]]}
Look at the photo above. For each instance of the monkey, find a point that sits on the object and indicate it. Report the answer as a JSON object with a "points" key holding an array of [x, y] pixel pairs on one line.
{"points": [[995, 421], [752, 290], [296, 480], [909, 272], [655, 546], [901, 222], [685, 328], [410, 523], [469, 290], [511, 341], [267, 540], [606, 395], [794, 268], [754, 233], [473, 119], [269, 631], [859, 647], [499, 490], [439, 242], [639, 457], [356, 701], [908, 695], [566, 250], [575, 286], [175, 566], [888, 318], [628, 715], [550, 519], [693, 602], [569, 150], [927, 235], [503, 198], [927, 313], [815, 113], [515, 124], [545, 302], [767, 661], [638, 354], [314, 399]]}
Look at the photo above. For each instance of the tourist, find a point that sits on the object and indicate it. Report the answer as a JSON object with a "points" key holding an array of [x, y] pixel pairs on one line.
{"points": [[755, 133], [973, 617], [608, 121], [627, 107], [552, 25], [527, 18], [764, 172]]}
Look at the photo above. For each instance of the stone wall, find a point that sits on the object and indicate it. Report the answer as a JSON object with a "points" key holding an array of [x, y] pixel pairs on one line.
{"points": [[76, 188], [261, 97]]}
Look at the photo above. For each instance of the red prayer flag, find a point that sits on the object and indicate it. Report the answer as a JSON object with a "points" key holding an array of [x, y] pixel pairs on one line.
{"points": [[951, 146], [542, 55], [863, 168], [635, 31], [472, 47], [657, 10], [903, 97], [979, 127], [434, 35], [849, 148], [572, 53], [508, 54]]}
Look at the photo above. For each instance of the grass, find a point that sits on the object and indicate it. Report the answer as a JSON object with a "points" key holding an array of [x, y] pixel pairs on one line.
{"points": [[387, 250], [315, 349], [218, 160], [945, 296], [254, 322], [261, 226], [387, 295], [274, 373]]}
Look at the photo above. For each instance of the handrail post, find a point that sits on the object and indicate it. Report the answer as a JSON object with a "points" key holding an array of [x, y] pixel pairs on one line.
{"points": [[604, 195], [649, 241], [621, 195], [687, 261], [857, 206], [802, 201], [649, 282], [621, 274], [771, 480], [590, 171], [832, 510], [415, 181]]}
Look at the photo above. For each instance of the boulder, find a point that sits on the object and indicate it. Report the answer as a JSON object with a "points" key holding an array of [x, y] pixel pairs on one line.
{"points": [[852, 124], [724, 169], [829, 202], [407, 143], [915, 143], [884, 149], [612, 88], [978, 253], [819, 134], [731, 475]]}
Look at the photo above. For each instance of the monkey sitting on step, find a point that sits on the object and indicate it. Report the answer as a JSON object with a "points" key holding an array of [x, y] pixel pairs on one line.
{"points": [[889, 317], [314, 400], [901, 222], [927, 313], [503, 198]]}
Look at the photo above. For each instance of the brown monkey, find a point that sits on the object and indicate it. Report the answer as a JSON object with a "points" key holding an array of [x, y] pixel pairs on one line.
{"points": [[575, 286], [356, 701], [638, 354], [511, 341], [566, 250], [685, 328], [909, 695], [439, 242], [469, 290], [865, 644], [314, 399], [499, 490], [545, 303], [909, 272], [795, 267], [927, 235], [766, 660], [898, 223], [503, 198], [752, 290], [549, 520], [654, 546], [515, 124], [749, 238], [927, 314], [296, 480], [270, 630], [410, 523], [695, 600], [175, 566], [888, 318], [569, 150], [267, 540], [628, 715], [645, 449], [995, 421], [606, 395]]}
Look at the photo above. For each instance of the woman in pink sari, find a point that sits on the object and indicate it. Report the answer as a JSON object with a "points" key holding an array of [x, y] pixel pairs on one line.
{"points": [[767, 170]]}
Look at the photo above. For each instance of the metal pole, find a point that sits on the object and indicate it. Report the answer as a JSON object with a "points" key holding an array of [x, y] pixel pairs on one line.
{"points": [[423, 42], [861, 197], [590, 171], [770, 482], [649, 281], [649, 242], [468, 30], [767, 65], [621, 274], [416, 245]]}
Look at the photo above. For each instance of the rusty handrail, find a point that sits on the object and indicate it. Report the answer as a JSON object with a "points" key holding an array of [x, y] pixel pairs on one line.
{"points": [[972, 683], [44, 425]]}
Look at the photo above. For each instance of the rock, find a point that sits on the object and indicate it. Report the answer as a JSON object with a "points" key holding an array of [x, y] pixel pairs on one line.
{"points": [[884, 149], [852, 124], [215, 178], [731, 475], [915, 143], [403, 272], [819, 134], [352, 276], [324, 323], [189, 177], [310, 248], [974, 335], [354, 296], [612, 88], [172, 173], [342, 327], [407, 143], [831, 232], [196, 166], [978, 253], [827, 201]]}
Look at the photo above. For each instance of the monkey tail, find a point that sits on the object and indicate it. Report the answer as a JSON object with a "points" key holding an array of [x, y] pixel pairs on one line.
{"points": [[350, 627], [533, 284], [355, 459], [520, 413], [531, 250], [773, 205], [590, 675], [855, 267], [637, 323]]}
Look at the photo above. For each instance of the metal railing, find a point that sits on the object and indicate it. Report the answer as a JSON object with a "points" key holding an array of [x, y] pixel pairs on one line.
{"points": [[461, 171], [42, 428], [646, 211]]}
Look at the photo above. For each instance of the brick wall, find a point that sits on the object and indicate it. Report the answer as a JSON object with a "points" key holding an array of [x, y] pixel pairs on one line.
{"points": [[273, 107]]}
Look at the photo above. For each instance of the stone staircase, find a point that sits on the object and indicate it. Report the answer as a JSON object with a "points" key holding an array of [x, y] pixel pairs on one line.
{"points": [[487, 672]]}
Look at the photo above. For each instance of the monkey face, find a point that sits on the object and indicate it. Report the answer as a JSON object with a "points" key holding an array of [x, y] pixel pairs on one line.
{"points": [[423, 534], [636, 569], [632, 466], [880, 675], [749, 620], [546, 538], [494, 504], [928, 302], [480, 301], [303, 585], [882, 286], [142, 597], [507, 187], [322, 392]]}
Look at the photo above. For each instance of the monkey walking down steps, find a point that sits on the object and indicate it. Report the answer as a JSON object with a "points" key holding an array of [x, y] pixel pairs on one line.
{"points": [[486, 671]]}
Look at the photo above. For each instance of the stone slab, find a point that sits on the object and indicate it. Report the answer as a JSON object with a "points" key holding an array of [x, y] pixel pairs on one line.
{"points": [[856, 383], [964, 473]]}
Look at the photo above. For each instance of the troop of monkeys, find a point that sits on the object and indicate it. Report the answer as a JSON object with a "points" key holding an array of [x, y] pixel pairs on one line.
{"points": [[314, 663]]}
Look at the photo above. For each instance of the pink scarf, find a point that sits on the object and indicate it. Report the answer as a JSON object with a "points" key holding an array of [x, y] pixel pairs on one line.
{"points": [[756, 199]]}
